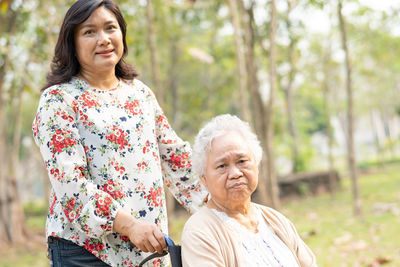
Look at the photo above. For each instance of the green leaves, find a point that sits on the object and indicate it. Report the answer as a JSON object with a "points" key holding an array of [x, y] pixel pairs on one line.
{"points": [[198, 87]]}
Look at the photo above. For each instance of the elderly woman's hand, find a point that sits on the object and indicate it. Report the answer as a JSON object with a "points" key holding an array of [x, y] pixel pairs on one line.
{"points": [[146, 236]]}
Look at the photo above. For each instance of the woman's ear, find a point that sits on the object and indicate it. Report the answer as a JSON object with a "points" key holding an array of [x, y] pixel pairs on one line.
{"points": [[203, 180]]}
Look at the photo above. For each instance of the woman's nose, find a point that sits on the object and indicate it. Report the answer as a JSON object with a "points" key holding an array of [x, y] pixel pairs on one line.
{"points": [[103, 38], [234, 172]]}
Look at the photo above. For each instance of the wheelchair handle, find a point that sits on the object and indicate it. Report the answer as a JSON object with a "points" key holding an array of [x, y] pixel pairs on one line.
{"points": [[169, 243]]}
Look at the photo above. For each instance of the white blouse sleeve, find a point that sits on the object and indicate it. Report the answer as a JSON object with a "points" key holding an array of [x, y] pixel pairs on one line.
{"points": [[55, 131], [176, 163]]}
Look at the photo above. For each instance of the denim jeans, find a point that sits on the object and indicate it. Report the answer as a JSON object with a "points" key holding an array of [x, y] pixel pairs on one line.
{"points": [[64, 253]]}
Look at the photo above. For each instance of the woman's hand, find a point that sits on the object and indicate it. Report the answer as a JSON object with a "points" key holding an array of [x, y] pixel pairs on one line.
{"points": [[146, 236]]}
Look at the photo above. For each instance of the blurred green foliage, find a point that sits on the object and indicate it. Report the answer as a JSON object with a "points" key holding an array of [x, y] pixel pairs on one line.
{"points": [[198, 89]]}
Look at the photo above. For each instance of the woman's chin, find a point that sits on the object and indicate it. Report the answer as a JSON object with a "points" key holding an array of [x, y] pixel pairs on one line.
{"points": [[105, 63], [240, 197]]}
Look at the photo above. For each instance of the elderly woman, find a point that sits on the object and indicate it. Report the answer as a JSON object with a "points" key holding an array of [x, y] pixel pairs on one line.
{"points": [[231, 230], [108, 148]]}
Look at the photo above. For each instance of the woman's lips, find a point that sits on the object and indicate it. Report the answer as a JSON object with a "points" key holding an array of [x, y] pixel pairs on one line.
{"points": [[105, 52], [238, 185]]}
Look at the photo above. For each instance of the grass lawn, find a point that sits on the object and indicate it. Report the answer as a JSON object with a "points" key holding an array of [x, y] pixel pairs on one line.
{"points": [[339, 239], [325, 222], [33, 256]]}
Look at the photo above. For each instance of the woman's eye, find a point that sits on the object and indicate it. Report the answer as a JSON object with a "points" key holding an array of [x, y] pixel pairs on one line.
{"points": [[112, 27], [88, 32], [221, 166]]}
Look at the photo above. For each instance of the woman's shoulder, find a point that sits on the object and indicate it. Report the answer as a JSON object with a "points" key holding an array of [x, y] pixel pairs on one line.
{"points": [[271, 213], [64, 94], [140, 86], [72, 87], [276, 220], [205, 226], [136, 83], [203, 214], [203, 219]]}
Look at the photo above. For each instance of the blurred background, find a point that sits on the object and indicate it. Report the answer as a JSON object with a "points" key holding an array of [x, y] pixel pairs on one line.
{"points": [[317, 80]]}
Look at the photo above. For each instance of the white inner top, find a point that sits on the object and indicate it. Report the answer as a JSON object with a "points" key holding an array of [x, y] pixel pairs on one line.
{"points": [[263, 248]]}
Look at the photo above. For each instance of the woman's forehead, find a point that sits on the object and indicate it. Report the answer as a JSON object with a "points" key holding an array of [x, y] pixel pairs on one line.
{"points": [[99, 15], [230, 144]]}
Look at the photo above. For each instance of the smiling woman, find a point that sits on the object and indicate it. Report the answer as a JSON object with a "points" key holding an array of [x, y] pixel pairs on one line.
{"points": [[108, 148], [231, 230], [66, 64], [99, 47]]}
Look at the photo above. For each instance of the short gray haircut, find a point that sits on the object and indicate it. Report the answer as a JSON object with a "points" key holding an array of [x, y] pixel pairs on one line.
{"points": [[219, 126]]}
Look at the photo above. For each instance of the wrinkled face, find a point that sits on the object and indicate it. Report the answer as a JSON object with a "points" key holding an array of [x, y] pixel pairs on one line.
{"points": [[98, 42], [231, 174]]}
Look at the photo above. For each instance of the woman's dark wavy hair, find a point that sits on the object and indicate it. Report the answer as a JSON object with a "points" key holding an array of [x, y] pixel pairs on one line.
{"points": [[65, 64]]}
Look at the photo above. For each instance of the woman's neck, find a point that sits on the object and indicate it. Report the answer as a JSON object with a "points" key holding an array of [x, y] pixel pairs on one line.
{"points": [[231, 209], [243, 213], [105, 81]]}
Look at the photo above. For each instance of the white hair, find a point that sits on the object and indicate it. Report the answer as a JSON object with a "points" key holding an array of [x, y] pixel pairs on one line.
{"points": [[219, 126]]}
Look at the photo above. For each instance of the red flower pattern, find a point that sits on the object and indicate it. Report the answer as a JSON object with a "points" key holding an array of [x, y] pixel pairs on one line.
{"points": [[61, 141], [180, 160], [162, 122], [87, 100], [154, 197], [72, 209], [93, 246], [118, 137], [133, 107]]}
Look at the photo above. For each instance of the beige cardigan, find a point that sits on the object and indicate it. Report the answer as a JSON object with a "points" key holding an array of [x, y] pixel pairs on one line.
{"points": [[207, 241]]}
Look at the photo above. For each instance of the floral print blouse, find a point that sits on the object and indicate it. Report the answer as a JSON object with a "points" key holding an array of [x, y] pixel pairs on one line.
{"points": [[105, 150]]}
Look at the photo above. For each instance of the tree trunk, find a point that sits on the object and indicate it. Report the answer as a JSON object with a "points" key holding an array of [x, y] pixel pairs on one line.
{"points": [[241, 63], [173, 80], [16, 214], [46, 185], [11, 214], [376, 135], [153, 54], [350, 115], [5, 227], [272, 178], [388, 133], [288, 92], [329, 129], [258, 105], [5, 233]]}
